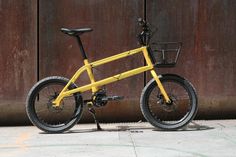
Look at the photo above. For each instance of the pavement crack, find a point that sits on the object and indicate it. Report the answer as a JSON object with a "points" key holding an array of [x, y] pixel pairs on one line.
{"points": [[221, 125], [133, 143]]}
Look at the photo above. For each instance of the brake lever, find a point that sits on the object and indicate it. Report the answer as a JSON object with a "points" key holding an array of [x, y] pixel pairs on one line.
{"points": [[141, 22]]}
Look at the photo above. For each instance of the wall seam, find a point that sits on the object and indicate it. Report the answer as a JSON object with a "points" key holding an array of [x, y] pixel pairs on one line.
{"points": [[38, 41]]}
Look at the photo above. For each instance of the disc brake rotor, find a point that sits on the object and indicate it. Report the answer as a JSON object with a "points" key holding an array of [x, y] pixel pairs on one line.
{"points": [[169, 107], [51, 107]]}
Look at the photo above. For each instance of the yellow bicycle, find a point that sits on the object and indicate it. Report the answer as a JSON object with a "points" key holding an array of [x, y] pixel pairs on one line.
{"points": [[168, 101]]}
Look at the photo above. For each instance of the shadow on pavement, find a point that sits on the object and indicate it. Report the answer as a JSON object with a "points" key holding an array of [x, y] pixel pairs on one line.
{"points": [[132, 129], [193, 126]]}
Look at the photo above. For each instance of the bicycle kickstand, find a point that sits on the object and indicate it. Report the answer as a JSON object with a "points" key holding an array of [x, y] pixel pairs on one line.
{"points": [[92, 111]]}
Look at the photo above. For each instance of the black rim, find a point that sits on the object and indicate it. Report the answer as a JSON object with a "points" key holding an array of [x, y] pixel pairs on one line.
{"points": [[169, 114]]}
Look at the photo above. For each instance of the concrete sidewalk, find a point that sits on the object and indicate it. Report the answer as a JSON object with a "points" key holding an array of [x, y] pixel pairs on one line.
{"points": [[201, 138]]}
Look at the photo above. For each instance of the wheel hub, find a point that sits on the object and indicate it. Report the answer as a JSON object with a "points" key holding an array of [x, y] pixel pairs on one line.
{"points": [[169, 107], [50, 105]]}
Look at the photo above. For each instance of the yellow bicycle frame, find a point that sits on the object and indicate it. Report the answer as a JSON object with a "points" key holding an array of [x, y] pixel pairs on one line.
{"points": [[94, 85]]}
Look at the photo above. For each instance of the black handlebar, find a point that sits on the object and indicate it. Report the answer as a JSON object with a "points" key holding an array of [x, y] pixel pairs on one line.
{"points": [[145, 36]]}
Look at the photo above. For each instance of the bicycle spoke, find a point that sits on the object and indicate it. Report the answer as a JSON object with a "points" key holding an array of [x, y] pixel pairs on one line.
{"points": [[54, 116], [169, 113]]}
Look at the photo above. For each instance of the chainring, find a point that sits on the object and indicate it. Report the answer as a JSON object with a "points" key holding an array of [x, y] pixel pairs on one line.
{"points": [[98, 98]]}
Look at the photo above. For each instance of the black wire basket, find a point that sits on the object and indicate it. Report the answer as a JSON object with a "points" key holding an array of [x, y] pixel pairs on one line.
{"points": [[166, 54]]}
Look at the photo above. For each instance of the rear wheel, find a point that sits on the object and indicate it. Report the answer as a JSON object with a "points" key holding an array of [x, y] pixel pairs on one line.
{"points": [[44, 115], [174, 115]]}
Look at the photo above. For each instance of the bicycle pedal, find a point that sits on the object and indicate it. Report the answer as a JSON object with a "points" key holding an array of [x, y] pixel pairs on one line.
{"points": [[112, 98]]}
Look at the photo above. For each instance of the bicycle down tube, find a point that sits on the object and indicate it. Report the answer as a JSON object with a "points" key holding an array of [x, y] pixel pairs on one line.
{"points": [[94, 85]]}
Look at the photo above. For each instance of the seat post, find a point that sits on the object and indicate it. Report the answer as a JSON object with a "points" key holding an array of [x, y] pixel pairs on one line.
{"points": [[81, 47]]}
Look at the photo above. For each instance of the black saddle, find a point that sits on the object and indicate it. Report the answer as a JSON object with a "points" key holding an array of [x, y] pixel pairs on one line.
{"points": [[76, 32]]}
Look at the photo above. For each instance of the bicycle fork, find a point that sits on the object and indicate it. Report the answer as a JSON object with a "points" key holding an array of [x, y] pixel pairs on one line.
{"points": [[154, 75]]}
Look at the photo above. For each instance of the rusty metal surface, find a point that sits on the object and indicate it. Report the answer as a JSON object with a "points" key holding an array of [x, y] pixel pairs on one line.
{"points": [[208, 59], [114, 31], [17, 57]]}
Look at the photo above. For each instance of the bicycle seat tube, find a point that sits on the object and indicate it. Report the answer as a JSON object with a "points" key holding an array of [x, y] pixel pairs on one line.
{"points": [[86, 63]]}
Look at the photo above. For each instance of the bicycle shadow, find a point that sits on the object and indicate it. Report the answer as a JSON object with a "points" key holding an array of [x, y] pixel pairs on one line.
{"points": [[118, 128], [114, 129], [193, 126]]}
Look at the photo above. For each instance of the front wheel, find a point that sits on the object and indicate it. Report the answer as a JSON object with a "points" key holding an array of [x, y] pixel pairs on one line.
{"points": [[44, 115], [174, 115]]}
